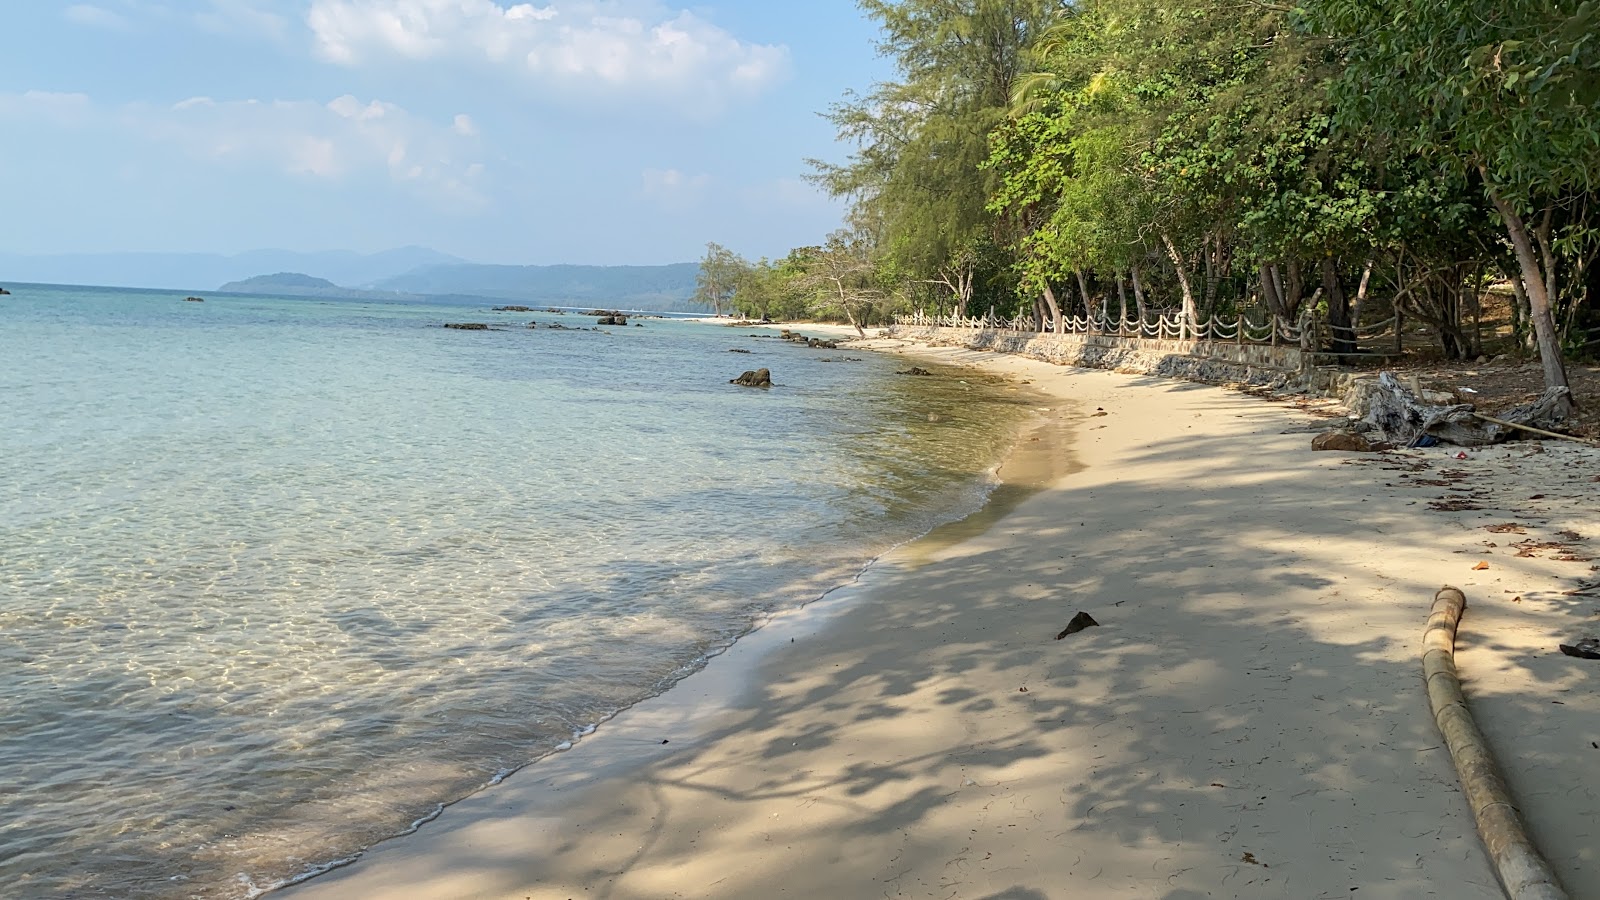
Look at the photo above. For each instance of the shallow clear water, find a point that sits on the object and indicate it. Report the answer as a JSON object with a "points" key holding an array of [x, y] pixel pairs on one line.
{"points": [[278, 577]]}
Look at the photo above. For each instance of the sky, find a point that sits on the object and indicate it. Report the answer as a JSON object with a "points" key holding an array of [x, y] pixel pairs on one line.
{"points": [[573, 131]]}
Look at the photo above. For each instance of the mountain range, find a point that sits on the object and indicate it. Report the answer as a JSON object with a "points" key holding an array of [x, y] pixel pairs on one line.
{"points": [[408, 272]]}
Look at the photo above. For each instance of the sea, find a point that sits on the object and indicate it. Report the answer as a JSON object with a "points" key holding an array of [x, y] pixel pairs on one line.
{"points": [[282, 577]]}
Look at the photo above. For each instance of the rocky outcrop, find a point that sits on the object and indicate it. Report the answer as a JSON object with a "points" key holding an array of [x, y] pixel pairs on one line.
{"points": [[513, 309], [467, 326], [797, 338], [1277, 368], [612, 320], [914, 370], [757, 378], [3, 292], [194, 299]]}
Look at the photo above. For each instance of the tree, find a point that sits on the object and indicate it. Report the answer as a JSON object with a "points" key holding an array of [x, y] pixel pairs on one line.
{"points": [[921, 139], [720, 272], [1507, 90], [841, 275]]}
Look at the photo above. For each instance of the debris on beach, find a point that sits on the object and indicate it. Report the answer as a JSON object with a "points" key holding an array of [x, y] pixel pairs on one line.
{"points": [[1347, 441], [757, 378], [1411, 415], [1079, 622], [1588, 648]]}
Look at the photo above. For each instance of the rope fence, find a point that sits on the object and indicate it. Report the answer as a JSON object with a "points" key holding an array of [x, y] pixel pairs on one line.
{"points": [[1311, 333]]}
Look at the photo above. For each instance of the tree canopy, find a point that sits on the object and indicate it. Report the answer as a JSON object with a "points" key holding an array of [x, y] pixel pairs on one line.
{"points": [[1337, 156]]}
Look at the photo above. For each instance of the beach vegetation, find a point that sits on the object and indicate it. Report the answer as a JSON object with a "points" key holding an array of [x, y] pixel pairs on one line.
{"points": [[1416, 159]]}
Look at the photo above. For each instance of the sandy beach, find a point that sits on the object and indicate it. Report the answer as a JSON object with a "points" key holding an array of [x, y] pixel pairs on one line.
{"points": [[1247, 720]]}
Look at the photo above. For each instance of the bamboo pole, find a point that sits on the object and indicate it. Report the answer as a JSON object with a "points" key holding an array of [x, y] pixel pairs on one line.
{"points": [[1523, 873]]}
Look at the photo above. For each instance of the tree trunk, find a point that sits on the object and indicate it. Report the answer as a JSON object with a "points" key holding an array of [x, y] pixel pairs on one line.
{"points": [[1361, 293], [1344, 335], [1544, 330], [1272, 292], [1138, 292], [1083, 291], [1122, 302], [844, 304], [1294, 291], [1055, 309], [1038, 314], [1183, 282], [1521, 324]]}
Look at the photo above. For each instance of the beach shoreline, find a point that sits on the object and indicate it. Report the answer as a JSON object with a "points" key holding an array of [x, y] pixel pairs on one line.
{"points": [[1247, 719]]}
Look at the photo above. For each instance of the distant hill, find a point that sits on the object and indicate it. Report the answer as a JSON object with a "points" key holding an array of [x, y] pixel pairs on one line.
{"points": [[407, 273], [200, 271], [281, 283], [668, 287]]}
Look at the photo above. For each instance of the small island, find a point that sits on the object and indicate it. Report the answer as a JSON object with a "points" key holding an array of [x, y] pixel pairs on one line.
{"points": [[280, 283]]}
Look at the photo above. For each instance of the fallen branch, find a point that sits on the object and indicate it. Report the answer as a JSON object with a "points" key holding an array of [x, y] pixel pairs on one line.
{"points": [[1554, 434]]}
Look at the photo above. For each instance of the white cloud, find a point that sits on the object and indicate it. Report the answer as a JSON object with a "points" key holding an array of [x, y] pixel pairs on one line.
{"points": [[342, 139], [345, 139], [464, 126], [95, 17], [639, 49]]}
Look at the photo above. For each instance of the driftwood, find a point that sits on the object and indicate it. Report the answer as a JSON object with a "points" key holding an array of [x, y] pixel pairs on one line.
{"points": [[1400, 417]]}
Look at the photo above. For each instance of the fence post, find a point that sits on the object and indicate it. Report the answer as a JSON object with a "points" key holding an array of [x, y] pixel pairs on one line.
{"points": [[1399, 331]]}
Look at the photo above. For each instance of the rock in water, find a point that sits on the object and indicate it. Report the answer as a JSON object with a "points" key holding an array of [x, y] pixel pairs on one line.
{"points": [[1079, 622], [1341, 440], [467, 326], [914, 370], [758, 378]]}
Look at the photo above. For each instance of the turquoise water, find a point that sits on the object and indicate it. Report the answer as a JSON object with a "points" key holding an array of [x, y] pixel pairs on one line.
{"points": [[278, 577]]}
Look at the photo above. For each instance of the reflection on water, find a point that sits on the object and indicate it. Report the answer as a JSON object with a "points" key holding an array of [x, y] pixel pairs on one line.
{"points": [[281, 576]]}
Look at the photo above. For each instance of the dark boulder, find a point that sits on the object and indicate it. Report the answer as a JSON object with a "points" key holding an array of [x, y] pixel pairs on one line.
{"points": [[914, 370], [758, 378]]}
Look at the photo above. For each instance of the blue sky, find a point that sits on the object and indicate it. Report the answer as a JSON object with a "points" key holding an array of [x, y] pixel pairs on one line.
{"points": [[565, 131]]}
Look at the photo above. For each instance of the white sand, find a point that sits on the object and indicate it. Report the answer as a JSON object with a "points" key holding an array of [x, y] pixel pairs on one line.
{"points": [[1248, 721]]}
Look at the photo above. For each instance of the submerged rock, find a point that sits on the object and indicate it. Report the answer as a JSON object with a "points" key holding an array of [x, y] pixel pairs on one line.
{"points": [[914, 370], [467, 326], [194, 299]]}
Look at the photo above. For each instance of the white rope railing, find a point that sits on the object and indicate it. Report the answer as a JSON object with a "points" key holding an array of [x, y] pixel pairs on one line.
{"points": [[1309, 332]]}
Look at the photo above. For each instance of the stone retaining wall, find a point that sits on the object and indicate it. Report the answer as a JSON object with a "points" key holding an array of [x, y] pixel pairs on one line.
{"points": [[1214, 362]]}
